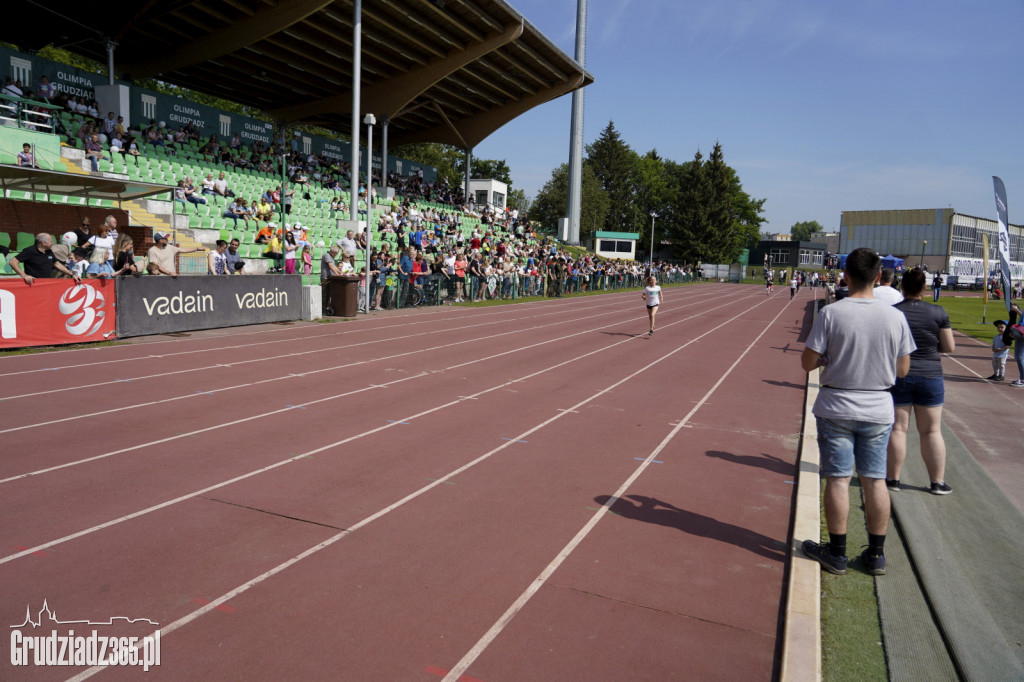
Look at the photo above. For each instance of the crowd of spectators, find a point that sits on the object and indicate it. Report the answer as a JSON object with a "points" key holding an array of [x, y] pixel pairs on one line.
{"points": [[421, 243]]}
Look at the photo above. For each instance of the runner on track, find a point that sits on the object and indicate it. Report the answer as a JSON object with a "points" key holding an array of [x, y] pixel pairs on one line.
{"points": [[653, 296]]}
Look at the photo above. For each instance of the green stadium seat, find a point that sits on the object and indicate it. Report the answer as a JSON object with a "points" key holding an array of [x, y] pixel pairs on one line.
{"points": [[5, 239], [25, 240]]}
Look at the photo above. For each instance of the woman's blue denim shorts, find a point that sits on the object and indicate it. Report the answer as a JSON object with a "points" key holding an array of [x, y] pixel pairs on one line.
{"points": [[923, 391]]}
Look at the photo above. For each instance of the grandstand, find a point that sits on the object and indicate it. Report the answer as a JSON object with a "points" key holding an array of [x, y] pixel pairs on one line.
{"points": [[492, 67], [423, 94]]}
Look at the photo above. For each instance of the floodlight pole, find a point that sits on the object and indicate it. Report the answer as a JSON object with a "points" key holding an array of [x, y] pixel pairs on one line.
{"points": [[650, 254], [369, 121], [573, 209]]}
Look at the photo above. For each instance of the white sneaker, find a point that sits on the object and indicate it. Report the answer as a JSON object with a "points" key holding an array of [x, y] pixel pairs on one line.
{"points": [[1018, 382]]}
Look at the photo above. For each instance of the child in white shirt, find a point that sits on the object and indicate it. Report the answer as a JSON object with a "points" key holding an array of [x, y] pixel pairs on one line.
{"points": [[1000, 351]]}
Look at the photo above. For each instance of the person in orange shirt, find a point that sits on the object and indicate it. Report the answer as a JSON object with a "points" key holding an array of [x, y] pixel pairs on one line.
{"points": [[265, 234]]}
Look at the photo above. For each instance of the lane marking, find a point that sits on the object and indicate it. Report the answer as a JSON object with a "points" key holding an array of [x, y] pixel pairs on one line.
{"points": [[455, 674], [292, 355], [326, 335], [538, 582], [321, 400]]}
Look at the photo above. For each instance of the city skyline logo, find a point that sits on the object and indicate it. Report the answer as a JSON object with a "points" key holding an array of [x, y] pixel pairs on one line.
{"points": [[69, 649], [52, 615]]}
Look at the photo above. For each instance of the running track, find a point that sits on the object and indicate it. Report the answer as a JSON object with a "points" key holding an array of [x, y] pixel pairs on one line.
{"points": [[528, 492]]}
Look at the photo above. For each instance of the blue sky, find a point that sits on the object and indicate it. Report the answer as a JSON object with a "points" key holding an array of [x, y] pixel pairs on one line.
{"points": [[821, 107]]}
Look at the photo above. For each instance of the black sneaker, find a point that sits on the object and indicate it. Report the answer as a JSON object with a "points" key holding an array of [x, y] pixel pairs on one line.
{"points": [[874, 564], [893, 484], [994, 377], [940, 488], [1000, 378], [822, 553]]}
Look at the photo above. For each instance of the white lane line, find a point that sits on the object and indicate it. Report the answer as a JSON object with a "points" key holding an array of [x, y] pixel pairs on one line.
{"points": [[460, 668], [193, 394], [327, 333], [408, 321], [204, 368], [244, 587], [306, 404], [107, 524]]}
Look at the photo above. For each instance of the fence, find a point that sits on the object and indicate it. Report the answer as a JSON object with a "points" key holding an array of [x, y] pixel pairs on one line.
{"points": [[440, 289]]}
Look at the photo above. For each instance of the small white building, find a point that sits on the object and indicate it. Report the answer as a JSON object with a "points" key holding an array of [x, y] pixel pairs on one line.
{"points": [[493, 192], [621, 245]]}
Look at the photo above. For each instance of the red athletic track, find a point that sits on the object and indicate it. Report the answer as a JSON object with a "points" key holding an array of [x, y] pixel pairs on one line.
{"points": [[386, 498]]}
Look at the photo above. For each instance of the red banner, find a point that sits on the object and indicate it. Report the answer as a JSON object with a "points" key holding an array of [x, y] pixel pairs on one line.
{"points": [[55, 311]]}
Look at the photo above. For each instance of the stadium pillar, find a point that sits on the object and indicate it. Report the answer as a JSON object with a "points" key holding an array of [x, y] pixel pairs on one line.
{"points": [[357, 65], [369, 121], [284, 178], [384, 157], [110, 61], [469, 161]]}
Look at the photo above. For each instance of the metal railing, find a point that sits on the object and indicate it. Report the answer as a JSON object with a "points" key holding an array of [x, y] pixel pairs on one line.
{"points": [[27, 113]]}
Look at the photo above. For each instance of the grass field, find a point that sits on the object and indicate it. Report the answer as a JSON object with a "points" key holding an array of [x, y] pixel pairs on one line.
{"points": [[966, 314]]}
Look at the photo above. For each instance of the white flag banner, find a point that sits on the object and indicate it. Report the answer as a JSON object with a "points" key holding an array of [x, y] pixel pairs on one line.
{"points": [[1004, 240]]}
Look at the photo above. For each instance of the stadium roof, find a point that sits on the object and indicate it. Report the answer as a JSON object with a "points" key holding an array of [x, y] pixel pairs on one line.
{"points": [[449, 71], [14, 179]]}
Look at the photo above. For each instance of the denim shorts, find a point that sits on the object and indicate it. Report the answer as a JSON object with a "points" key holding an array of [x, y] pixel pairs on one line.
{"points": [[923, 391], [846, 445]]}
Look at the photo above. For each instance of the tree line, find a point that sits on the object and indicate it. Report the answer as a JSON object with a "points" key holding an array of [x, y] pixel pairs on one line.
{"points": [[701, 211]]}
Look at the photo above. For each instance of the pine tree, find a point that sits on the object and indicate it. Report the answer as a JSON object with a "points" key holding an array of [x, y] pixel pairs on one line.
{"points": [[690, 227], [614, 164]]}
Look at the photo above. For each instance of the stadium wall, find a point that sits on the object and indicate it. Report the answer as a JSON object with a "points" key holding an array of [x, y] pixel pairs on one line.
{"points": [[40, 216]]}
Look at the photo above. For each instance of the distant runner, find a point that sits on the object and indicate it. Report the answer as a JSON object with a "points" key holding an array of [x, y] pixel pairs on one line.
{"points": [[653, 296]]}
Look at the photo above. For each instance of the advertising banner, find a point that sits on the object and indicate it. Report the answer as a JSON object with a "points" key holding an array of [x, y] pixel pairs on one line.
{"points": [[976, 267], [162, 305], [30, 68], [1002, 216], [55, 311]]}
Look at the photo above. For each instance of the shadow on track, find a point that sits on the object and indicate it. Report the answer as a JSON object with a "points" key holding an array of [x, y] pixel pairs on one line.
{"points": [[769, 462], [651, 510]]}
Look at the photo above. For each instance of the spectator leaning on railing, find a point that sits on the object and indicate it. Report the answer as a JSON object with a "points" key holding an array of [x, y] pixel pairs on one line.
{"points": [[162, 255], [38, 261]]}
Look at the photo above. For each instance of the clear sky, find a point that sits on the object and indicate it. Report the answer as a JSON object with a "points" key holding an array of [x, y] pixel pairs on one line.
{"points": [[821, 107]]}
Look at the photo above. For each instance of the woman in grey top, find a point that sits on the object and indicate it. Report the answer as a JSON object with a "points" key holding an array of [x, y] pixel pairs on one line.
{"points": [[922, 390]]}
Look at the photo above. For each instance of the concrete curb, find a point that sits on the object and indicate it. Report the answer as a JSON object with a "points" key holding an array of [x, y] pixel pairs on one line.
{"points": [[801, 641]]}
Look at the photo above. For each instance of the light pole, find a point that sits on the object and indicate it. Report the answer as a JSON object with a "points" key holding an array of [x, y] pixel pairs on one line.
{"points": [[369, 120], [650, 254], [923, 244]]}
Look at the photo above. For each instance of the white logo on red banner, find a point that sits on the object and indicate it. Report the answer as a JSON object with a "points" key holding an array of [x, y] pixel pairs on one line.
{"points": [[83, 306]]}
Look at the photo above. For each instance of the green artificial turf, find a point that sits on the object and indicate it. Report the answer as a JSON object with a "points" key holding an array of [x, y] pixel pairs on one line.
{"points": [[969, 314], [851, 634]]}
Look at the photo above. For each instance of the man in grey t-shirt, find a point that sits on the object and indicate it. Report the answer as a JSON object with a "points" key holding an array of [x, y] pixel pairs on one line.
{"points": [[864, 344]]}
